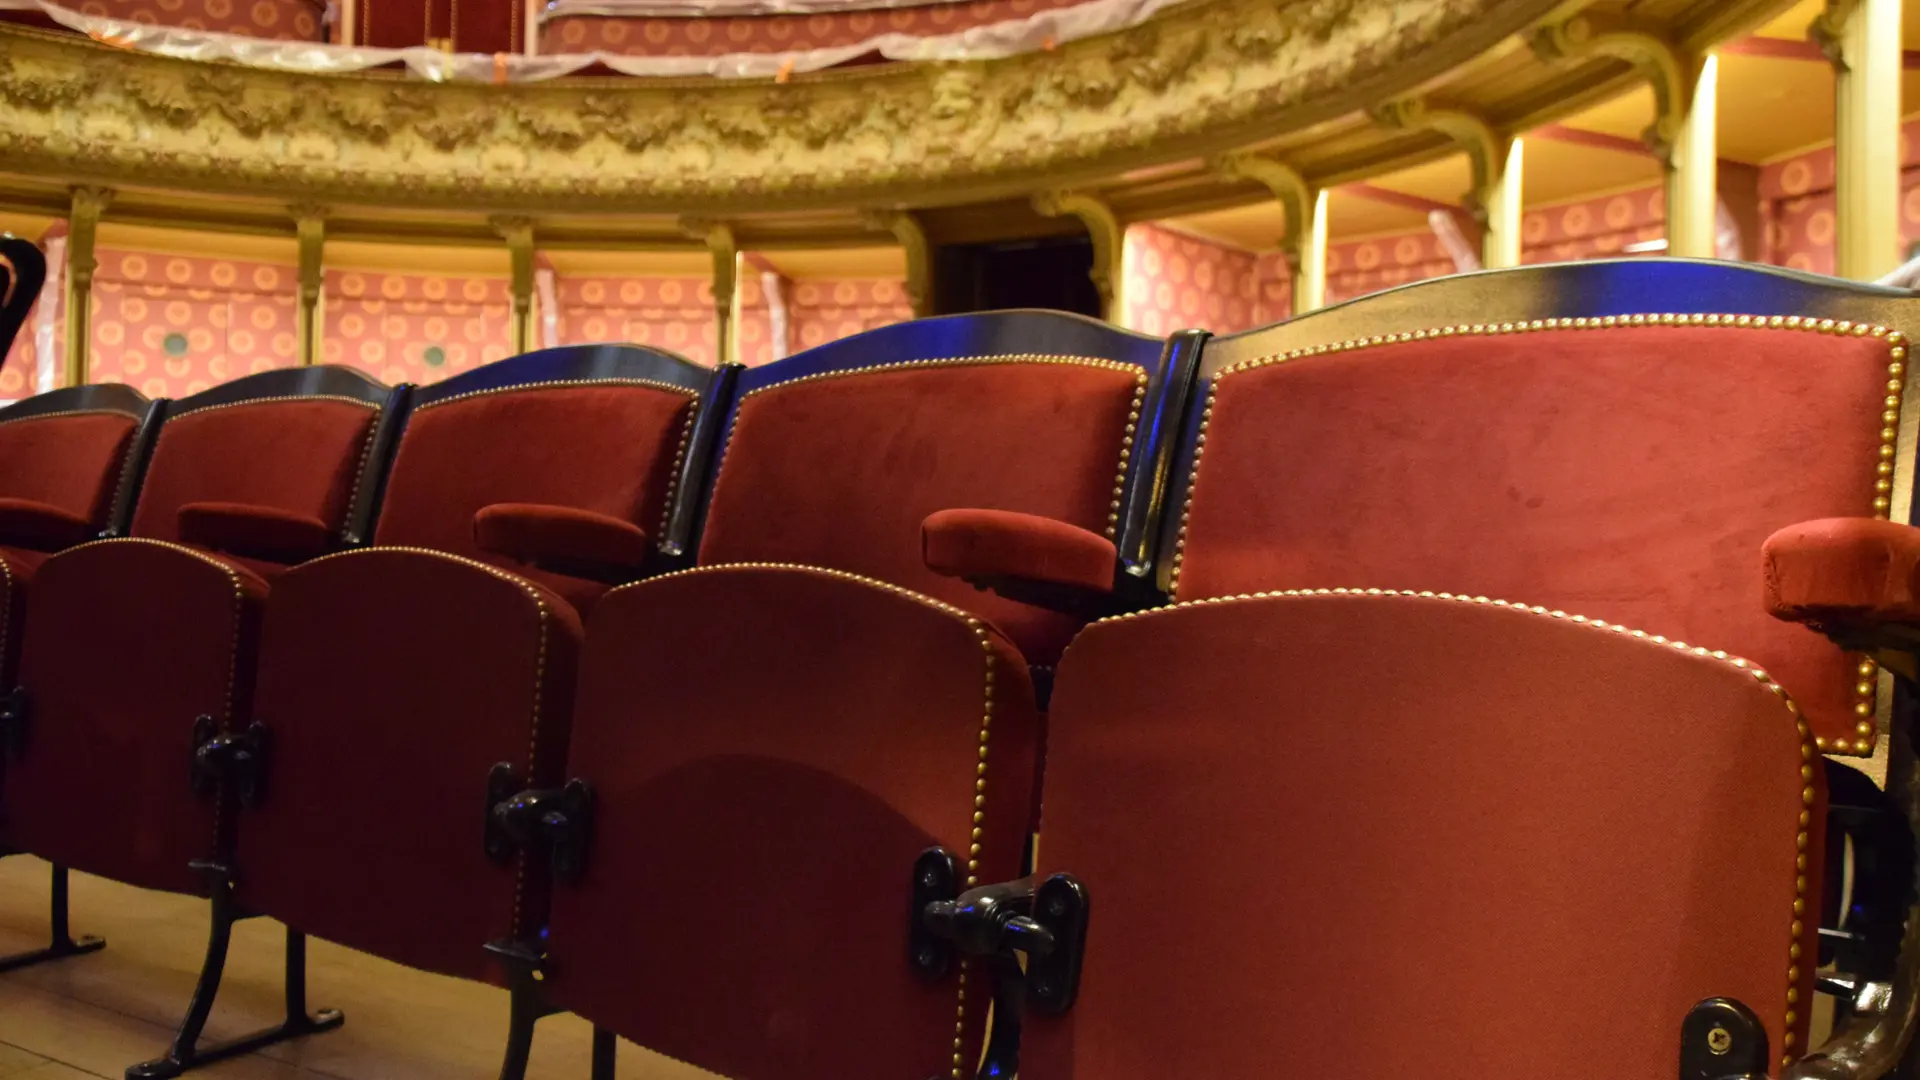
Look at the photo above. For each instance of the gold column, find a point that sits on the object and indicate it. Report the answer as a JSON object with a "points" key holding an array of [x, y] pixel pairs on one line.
{"points": [[310, 227], [1693, 190], [1862, 39], [1107, 234], [1310, 288], [82, 221], [518, 233], [906, 228], [1500, 240], [1305, 210], [726, 270], [1684, 97], [1494, 200]]}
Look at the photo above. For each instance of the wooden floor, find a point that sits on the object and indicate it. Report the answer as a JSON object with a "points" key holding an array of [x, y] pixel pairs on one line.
{"points": [[91, 1016]]}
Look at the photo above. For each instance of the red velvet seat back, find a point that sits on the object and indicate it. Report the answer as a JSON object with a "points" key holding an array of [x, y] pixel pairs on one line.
{"points": [[839, 469], [609, 446], [70, 460], [1398, 836], [1626, 469], [304, 454]]}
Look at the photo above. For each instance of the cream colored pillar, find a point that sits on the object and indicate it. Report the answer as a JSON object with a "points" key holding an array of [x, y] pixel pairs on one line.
{"points": [[1310, 288], [1862, 38], [518, 233], [310, 227], [1500, 240], [1693, 192], [1306, 213], [82, 222], [1106, 232], [725, 250]]}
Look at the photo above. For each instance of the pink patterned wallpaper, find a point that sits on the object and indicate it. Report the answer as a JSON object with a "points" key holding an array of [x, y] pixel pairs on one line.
{"points": [[1797, 205], [173, 325], [1173, 281], [823, 311], [417, 328], [673, 313], [281, 20], [1360, 267], [773, 33], [1596, 228]]}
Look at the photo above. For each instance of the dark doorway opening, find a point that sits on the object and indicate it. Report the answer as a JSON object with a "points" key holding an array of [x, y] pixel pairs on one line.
{"points": [[1045, 273]]}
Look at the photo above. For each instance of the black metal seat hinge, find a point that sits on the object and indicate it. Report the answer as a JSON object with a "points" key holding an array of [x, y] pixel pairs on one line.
{"points": [[560, 820], [1043, 921], [15, 710], [237, 760], [1722, 1039]]}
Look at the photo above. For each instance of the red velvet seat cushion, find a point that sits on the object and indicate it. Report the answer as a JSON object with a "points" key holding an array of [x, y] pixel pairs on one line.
{"points": [[1858, 568], [300, 456], [542, 535], [392, 682], [35, 524], [605, 448], [125, 643], [259, 532], [71, 460], [1631, 473], [841, 471], [760, 808], [983, 544], [1421, 831]]}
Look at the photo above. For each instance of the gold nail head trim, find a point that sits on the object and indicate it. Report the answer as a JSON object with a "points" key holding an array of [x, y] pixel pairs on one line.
{"points": [[983, 634], [285, 399], [1867, 690], [559, 384], [673, 472], [1808, 794], [128, 417], [544, 619], [1126, 441]]}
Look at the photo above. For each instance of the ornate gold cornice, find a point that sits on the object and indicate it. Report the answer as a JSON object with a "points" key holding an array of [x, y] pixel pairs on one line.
{"points": [[1206, 77]]}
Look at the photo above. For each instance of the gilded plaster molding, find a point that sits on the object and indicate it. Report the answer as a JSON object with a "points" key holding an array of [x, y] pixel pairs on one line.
{"points": [[1206, 77]]}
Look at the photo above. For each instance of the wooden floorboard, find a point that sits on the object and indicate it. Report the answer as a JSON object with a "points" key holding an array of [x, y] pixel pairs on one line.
{"points": [[91, 1016]]}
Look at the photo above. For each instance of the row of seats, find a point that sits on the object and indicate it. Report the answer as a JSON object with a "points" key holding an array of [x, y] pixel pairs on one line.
{"points": [[1427, 664]]}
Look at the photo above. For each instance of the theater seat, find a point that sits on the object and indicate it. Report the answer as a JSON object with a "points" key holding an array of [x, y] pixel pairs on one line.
{"points": [[772, 739], [69, 460], [420, 664], [136, 664], [1466, 725]]}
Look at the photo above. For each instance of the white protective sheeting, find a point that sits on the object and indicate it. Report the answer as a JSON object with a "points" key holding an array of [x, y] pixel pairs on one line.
{"points": [[1039, 30]]}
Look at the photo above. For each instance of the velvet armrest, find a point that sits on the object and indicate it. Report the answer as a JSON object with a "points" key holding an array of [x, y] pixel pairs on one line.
{"points": [[1851, 579], [1025, 557], [563, 539], [255, 532], [41, 526]]}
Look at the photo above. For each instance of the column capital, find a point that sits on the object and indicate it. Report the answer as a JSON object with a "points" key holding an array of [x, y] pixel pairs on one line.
{"points": [[1103, 228]]}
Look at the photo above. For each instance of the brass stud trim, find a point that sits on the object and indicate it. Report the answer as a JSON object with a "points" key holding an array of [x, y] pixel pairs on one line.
{"points": [[673, 473], [359, 475], [1126, 442], [559, 384], [544, 617], [1807, 742], [65, 413], [275, 400]]}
